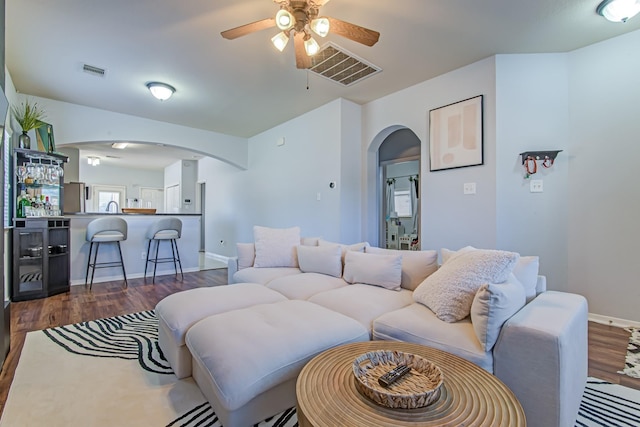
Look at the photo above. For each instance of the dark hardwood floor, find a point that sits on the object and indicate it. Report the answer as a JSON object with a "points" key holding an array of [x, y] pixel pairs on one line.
{"points": [[607, 345]]}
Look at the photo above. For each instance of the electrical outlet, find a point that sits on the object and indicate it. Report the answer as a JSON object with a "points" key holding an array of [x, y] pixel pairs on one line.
{"points": [[469, 188], [143, 255], [535, 186]]}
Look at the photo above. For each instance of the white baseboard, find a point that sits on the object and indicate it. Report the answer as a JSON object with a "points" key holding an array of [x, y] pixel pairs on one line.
{"points": [[217, 257], [115, 278], [613, 321]]}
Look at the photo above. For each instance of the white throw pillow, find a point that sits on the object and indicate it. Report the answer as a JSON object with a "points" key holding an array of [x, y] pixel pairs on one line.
{"points": [[357, 247], [321, 259], [373, 269], [416, 265], [276, 247], [493, 305], [449, 291], [526, 271], [246, 255]]}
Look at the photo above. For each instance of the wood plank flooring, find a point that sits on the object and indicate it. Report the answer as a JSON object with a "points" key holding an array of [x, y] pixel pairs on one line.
{"points": [[607, 344]]}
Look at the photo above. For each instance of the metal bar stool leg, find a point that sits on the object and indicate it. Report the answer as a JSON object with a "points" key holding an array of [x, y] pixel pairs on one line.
{"points": [[86, 277], [173, 253], [155, 264], [95, 258], [177, 256], [147, 262], [124, 273]]}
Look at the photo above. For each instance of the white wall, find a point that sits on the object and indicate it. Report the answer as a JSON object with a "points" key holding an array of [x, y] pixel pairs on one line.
{"points": [[533, 114], [282, 184], [449, 218], [133, 179], [604, 196]]}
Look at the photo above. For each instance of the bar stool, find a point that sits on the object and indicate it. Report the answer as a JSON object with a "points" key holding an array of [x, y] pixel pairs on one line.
{"points": [[164, 229], [105, 230]]}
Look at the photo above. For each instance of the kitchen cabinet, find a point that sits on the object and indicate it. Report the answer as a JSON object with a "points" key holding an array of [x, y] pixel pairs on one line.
{"points": [[41, 261]]}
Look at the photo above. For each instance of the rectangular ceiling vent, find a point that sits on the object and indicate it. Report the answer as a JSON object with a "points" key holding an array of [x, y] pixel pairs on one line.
{"points": [[94, 71], [335, 63]]}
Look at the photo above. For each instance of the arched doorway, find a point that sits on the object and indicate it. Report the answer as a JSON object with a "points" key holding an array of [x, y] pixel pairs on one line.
{"points": [[399, 190]]}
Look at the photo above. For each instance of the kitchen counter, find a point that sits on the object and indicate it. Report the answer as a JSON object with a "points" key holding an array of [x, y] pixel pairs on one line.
{"points": [[134, 249]]}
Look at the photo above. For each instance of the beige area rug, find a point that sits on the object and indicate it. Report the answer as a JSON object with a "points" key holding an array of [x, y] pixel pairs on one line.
{"points": [[108, 372]]}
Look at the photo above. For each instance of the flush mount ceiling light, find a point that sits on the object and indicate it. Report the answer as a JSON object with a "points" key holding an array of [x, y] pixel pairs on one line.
{"points": [[618, 10], [119, 145], [161, 91], [297, 19], [93, 161]]}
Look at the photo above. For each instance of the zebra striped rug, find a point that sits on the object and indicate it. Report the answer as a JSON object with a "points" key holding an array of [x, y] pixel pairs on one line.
{"points": [[111, 372]]}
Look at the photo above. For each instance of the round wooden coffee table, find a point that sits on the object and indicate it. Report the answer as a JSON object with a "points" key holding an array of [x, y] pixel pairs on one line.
{"points": [[470, 396]]}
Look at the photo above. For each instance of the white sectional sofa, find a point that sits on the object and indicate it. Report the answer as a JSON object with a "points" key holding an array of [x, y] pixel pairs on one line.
{"points": [[532, 339]]}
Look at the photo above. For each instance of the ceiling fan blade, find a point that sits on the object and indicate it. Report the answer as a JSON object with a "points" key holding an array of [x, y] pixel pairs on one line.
{"points": [[303, 60], [353, 32], [243, 30]]}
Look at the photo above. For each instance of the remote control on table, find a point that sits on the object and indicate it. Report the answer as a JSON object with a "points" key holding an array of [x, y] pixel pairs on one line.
{"points": [[393, 375]]}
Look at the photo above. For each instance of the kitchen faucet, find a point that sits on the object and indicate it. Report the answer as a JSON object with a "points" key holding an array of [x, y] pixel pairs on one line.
{"points": [[109, 206]]}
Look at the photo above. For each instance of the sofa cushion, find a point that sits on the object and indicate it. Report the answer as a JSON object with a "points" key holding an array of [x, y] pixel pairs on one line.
{"points": [[417, 324], [373, 269], [449, 291], [246, 255], [416, 265], [362, 302], [357, 247], [526, 269], [263, 275], [276, 247], [249, 351], [493, 305], [304, 286], [321, 259]]}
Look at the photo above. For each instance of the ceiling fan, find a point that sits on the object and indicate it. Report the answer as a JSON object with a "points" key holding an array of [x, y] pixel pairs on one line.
{"points": [[301, 17]]}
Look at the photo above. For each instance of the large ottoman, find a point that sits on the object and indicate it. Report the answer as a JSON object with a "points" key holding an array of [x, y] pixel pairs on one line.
{"points": [[246, 361], [178, 312]]}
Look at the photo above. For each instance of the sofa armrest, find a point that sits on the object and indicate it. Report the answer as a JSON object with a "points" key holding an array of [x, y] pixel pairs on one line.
{"points": [[232, 268], [541, 355]]}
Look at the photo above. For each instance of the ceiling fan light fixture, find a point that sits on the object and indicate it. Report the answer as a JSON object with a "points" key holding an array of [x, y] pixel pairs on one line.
{"points": [[161, 91], [320, 26], [285, 20], [311, 46], [619, 10], [280, 41]]}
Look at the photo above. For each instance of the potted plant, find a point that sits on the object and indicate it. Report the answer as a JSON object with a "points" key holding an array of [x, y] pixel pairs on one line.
{"points": [[29, 116]]}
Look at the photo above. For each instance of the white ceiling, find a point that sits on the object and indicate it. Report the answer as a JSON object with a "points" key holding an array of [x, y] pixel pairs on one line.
{"points": [[242, 87]]}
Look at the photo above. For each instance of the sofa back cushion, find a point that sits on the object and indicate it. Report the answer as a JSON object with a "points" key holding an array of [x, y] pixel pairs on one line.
{"points": [[325, 259], [357, 247], [246, 255], [276, 247], [373, 269], [493, 305], [449, 291], [416, 265]]}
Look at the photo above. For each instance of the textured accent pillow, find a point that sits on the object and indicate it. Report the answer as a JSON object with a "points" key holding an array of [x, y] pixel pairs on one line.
{"points": [[493, 305], [246, 255], [449, 291], [416, 265], [321, 259], [373, 269], [357, 247], [446, 254], [276, 247]]}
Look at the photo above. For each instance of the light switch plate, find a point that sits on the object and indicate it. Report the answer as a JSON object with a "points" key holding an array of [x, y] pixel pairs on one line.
{"points": [[469, 188], [535, 186]]}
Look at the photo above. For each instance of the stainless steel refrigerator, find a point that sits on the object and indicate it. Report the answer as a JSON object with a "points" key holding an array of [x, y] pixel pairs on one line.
{"points": [[74, 197]]}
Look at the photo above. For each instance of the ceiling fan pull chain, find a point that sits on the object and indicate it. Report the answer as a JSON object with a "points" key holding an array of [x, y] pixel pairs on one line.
{"points": [[307, 79]]}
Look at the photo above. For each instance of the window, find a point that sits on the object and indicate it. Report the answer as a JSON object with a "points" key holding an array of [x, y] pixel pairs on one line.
{"points": [[402, 199], [103, 195]]}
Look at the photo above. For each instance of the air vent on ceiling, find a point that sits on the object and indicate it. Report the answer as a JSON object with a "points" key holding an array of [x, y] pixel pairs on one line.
{"points": [[335, 63], [95, 71]]}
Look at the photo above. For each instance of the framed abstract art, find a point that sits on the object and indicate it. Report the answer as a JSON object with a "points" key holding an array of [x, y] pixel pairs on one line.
{"points": [[455, 135]]}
